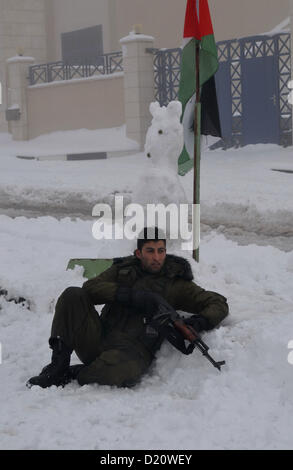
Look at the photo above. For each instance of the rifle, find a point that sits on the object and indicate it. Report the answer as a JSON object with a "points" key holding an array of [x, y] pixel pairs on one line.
{"points": [[195, 340], [166, 321]]}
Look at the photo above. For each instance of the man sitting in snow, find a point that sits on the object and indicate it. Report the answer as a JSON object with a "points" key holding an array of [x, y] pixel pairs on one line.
{"points": [[118, 347]]}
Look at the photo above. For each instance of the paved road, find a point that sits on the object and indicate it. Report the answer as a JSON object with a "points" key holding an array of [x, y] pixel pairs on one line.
{"points": [[283, 242]]}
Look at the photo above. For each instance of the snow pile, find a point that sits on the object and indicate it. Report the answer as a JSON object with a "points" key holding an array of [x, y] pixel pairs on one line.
{"points": [[283, 27], [35, 252], [247, 405], [238, 183], [68, 142], [184, 402]]}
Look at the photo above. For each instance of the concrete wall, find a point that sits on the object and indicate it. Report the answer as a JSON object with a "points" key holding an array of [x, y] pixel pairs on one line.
{"points": [[76, 104], [238, 18], [22, 31], [164, 19], [22, 28], [68, 15]]}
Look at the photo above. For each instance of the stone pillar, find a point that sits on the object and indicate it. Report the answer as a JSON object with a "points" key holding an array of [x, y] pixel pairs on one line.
{"points": [[139, 89], [17, 83]]}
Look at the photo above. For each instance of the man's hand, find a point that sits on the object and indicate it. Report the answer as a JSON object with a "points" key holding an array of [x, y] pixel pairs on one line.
{"points": [[198, 323], [145, 301]]}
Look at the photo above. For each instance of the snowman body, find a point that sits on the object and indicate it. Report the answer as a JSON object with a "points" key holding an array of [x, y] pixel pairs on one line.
{"points": [[160, 182]]}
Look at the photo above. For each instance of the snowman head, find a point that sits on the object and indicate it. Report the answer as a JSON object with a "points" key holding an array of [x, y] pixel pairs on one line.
{"points": [[164, 139]]}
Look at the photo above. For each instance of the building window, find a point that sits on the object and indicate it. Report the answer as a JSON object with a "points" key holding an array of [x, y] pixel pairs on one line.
{"points": [[83, 46]]}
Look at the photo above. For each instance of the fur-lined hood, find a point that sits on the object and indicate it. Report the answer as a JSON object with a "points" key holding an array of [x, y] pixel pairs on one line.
{"points": [[174, 266]]}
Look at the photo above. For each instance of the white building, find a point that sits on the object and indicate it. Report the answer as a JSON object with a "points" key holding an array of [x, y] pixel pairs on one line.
{"points": [[52, 30]]}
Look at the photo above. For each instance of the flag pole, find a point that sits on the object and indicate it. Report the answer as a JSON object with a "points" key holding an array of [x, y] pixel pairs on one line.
{"points": [[196, 170]]}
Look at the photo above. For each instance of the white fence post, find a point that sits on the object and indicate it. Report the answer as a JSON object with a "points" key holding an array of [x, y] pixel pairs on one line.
{"points": [[17, 83], [139, 90]]}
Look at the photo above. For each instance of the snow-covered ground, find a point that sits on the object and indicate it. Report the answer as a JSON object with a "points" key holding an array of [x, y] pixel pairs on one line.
{"points": [[184, 403]]}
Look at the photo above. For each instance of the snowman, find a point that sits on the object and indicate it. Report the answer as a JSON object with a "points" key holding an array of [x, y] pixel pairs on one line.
{"points": [[160, 182]]}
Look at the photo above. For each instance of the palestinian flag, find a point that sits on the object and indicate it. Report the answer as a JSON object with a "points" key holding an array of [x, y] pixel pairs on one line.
{"points": [[198, 28]]}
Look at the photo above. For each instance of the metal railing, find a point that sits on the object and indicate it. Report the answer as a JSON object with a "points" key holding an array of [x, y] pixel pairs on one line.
{"points": [[167, 68], [57, 71], [167, 65]]}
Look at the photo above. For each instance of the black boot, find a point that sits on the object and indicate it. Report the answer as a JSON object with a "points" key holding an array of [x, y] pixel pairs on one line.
{"points": [[57, 372]]}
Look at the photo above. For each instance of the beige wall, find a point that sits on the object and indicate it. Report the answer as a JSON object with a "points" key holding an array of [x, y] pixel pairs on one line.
{"points": [[240, 18], [69, 15], [76, 104], [22, 30], [164, 19]]}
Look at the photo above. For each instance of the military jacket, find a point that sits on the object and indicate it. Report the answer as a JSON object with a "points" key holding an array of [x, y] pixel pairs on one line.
{"points": [[174, 282]]}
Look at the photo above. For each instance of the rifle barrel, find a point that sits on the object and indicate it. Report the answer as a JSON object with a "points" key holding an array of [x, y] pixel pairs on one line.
{"points": [[204, 349], [193, 337]]}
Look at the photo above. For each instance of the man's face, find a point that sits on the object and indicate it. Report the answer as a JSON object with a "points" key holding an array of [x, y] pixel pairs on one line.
{"points": [[152, 256]]}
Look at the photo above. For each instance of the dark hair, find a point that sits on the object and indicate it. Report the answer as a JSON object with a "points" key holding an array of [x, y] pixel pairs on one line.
{"points": [[150, 234]]}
